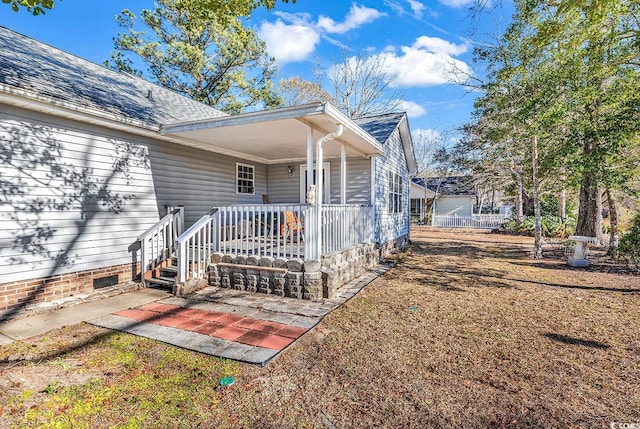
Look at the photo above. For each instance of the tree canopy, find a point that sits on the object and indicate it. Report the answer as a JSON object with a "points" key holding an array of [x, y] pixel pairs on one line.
{"points": [[224, 7], [200, 48], [566, 75], [36, 7]]}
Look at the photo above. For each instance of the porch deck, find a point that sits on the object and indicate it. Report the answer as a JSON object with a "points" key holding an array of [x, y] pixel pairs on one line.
{"points": [[290, 231]]}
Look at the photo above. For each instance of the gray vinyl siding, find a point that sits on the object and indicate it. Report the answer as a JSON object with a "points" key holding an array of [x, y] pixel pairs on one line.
{"points": [[283, 188], [286, 189], [391, 225], [199, 180], [75, 197]]}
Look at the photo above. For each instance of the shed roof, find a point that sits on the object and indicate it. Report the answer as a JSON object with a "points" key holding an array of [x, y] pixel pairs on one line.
{"points": [[452, 185], [37, 70]]}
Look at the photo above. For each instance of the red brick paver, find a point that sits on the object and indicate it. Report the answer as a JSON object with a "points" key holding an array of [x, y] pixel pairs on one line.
{"points": [[291, 332], [253, 338], [230, 333], [232, 327], [276, 342]]}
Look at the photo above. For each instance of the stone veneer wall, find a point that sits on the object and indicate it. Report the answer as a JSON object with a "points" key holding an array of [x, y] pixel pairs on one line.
{"points": [[22, 296], [294, 278], [394, 246]]}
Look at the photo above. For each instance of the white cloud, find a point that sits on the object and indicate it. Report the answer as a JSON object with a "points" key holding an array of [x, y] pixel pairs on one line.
{"points": [[294, 36], [428, 135], [413, 110], [456, 3], [417, 8], [289, 42], [439, 46], [357, 16], [429, 61], [395, 6]]}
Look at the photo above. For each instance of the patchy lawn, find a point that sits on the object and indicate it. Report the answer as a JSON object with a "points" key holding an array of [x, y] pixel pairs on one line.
{"points": [[467, 331]]}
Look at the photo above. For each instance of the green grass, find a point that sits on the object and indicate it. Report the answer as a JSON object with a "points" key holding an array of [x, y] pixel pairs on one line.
{"points": [[145, 384]]}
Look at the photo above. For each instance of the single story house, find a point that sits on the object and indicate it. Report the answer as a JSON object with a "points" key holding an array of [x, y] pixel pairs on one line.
{"points": [[454, 195], [107, 178]]}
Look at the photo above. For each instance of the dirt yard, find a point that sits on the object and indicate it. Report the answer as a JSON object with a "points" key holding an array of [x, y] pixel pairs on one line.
{"points": [[467, 331]]}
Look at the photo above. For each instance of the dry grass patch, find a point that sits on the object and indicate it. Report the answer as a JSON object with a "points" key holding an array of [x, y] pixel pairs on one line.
{"points": [[466, 331]]}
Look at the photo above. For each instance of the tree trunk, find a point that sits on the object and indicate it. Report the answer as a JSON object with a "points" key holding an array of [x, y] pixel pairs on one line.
{"points": [[493, 200], [590, 210], [537, 212], [613, 219], [480, 203], [519, 199], [562, 197]]}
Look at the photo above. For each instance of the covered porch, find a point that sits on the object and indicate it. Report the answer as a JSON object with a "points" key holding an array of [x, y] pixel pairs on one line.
{"points": [[317, 200]]}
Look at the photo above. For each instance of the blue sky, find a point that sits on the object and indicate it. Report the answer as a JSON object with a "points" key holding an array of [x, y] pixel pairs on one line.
{"points": [[418, 40]]}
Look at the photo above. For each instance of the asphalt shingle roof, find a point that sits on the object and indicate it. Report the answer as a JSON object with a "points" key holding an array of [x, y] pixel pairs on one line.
{"points": [[380, 126], [42, 70], [452, 185]]}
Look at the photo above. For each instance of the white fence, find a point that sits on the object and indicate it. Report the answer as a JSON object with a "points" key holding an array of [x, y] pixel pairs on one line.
{"points": [[473, 221]]}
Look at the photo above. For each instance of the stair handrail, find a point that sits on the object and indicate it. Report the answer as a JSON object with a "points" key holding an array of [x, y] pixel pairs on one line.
{"points": [[173, 225], [187, 242]]}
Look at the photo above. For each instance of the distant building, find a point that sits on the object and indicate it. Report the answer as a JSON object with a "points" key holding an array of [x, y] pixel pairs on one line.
{"points": [[454, 195]]}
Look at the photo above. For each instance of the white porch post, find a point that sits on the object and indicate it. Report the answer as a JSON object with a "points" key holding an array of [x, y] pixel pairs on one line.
{"points": [[319, 195], [309, 160], [372, 199], [343, 175], [310, 247], [319, 191]]}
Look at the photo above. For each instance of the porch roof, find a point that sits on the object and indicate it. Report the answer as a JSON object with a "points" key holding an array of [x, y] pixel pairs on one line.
{"points": [[276, 136]]}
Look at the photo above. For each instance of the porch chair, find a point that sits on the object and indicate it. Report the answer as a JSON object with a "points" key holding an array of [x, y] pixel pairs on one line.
{"points": [[291, 225]]}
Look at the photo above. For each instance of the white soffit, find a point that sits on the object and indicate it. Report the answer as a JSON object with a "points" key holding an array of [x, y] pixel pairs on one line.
{"points": [[278, 135]]}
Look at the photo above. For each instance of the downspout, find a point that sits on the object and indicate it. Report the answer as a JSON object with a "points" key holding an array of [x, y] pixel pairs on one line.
{"points": [[319, 185]]}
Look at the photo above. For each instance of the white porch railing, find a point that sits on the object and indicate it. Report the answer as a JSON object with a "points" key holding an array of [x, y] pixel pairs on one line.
{"points": [[157, 244], [473, 221], [195, 246], [344, 226], [275, 230]]}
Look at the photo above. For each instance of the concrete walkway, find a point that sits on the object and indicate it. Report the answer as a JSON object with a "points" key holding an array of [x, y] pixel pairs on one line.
{"points": [[247, 327], [38, 324]]}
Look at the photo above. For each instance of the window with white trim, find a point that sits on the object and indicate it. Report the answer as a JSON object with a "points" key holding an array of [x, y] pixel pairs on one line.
{"points": [[395, 193], [245, 179]]}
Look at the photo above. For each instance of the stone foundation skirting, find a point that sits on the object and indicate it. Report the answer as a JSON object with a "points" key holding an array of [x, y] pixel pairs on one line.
{"points": [[394, 246], [293, 278]]}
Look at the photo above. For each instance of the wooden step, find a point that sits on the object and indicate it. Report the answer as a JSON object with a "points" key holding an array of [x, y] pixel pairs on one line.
{"points": [[170, 271], [163, 281]]}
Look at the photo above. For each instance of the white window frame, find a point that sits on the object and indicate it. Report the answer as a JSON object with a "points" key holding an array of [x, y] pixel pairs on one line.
{"points": [[396, 192], [252, 180]]}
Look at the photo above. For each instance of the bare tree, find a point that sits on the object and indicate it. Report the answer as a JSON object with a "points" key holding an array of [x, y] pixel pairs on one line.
{"points": [[362, 85], [297, 91]]}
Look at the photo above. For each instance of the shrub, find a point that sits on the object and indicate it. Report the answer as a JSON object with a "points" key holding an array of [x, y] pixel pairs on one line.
{"points": [[552, 226], [629, 246]]}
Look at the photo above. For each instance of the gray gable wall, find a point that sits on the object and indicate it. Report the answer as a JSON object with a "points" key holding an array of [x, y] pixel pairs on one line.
{"points": [[42, 70]]}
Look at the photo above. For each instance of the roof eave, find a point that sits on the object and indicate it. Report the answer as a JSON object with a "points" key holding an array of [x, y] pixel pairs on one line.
{"points": [[292, 112], [407, 144]]}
